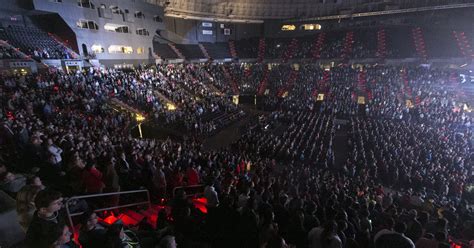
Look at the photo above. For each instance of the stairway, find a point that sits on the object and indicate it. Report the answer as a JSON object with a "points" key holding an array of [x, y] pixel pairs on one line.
{"points": [[233, 51], [362, 81], [322, 85], [163, 98], [290, 50], [381, 44], [348, 42], [261, 50], [173, 47], [211, 86], [419, 40], [463, 44], [117, 104], [289, 84], [204, 51], [263, 84], [235, 87], [406, 90], [318, 45]]}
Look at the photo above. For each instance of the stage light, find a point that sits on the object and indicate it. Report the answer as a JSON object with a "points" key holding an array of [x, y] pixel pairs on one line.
{"points": [[170, 106], [139, 118]]}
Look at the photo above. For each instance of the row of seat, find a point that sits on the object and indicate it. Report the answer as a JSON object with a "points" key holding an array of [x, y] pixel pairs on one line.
{"points": [[34, 42], [393, 42]]}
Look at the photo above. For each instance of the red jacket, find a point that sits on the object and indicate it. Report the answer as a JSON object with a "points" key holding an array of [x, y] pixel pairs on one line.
{"points": [[193, 176], [93, 181]]}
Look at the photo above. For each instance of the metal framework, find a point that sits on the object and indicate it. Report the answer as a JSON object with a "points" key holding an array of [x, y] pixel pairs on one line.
{"points": [[70, 215], [387, 12], [258, 10]]}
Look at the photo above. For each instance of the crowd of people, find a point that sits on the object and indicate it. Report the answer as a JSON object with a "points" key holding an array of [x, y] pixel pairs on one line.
{"points": [[338, 45], [56, 51], [8, 53], [403, 183]]}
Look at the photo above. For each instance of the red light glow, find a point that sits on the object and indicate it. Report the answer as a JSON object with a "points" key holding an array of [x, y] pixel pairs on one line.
{"points": [[201, 203], [110, 220]]}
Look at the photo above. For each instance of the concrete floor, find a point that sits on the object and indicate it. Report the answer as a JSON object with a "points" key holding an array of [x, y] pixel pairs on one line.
{"points": [[11, 233]]}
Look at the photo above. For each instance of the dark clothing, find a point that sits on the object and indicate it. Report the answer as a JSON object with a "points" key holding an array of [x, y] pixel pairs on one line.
{"points": [[94, 238], [111, 180], [39, 228]]}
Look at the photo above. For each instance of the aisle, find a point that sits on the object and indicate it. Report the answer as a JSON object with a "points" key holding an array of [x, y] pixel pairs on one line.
{"points": [[225, 137], [341, 149], [232, 133]]}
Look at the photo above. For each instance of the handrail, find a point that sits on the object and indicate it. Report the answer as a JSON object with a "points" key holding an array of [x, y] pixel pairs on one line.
{"points": [[22, 54], [68, 48], [70, 215], [187, 187]]}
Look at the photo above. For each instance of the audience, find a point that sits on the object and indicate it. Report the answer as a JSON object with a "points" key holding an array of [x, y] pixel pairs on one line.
{"points": [[279, 184], [8, 53]]}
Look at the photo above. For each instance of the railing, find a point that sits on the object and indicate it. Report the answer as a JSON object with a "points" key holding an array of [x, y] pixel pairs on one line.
{"points": [[189, 187], [384, 12], [73, 53], [70, 215], [23, 55]]}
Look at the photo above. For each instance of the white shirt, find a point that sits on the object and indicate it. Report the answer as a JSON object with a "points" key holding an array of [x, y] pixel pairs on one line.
{"points": [[56, 152], [314, 238], [211, 195]]}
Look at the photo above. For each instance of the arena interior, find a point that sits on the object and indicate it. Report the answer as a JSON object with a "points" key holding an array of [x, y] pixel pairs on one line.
{"points": [[236, 124]]}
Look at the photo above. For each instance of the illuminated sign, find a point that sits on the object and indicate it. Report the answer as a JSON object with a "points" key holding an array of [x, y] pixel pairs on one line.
{"points": [[235, 99], [288, 27], [311, 27], [320, 97]]}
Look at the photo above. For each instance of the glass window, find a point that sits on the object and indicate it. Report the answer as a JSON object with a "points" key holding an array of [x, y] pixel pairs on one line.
{"points": [[142, 31], [288, 27], [97, 48], [139, 15], [311, 27], [120, 49], [119, 28], [115, 9], [85, 4], [86, 24]]}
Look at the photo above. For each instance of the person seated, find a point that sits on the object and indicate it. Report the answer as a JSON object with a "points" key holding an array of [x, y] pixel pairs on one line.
{"points": [[12, 183], [393, 240], [58, 237], [91, 234], [35, 181], [167, 241], [117, 238], [46, 217], [325, 236]]}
